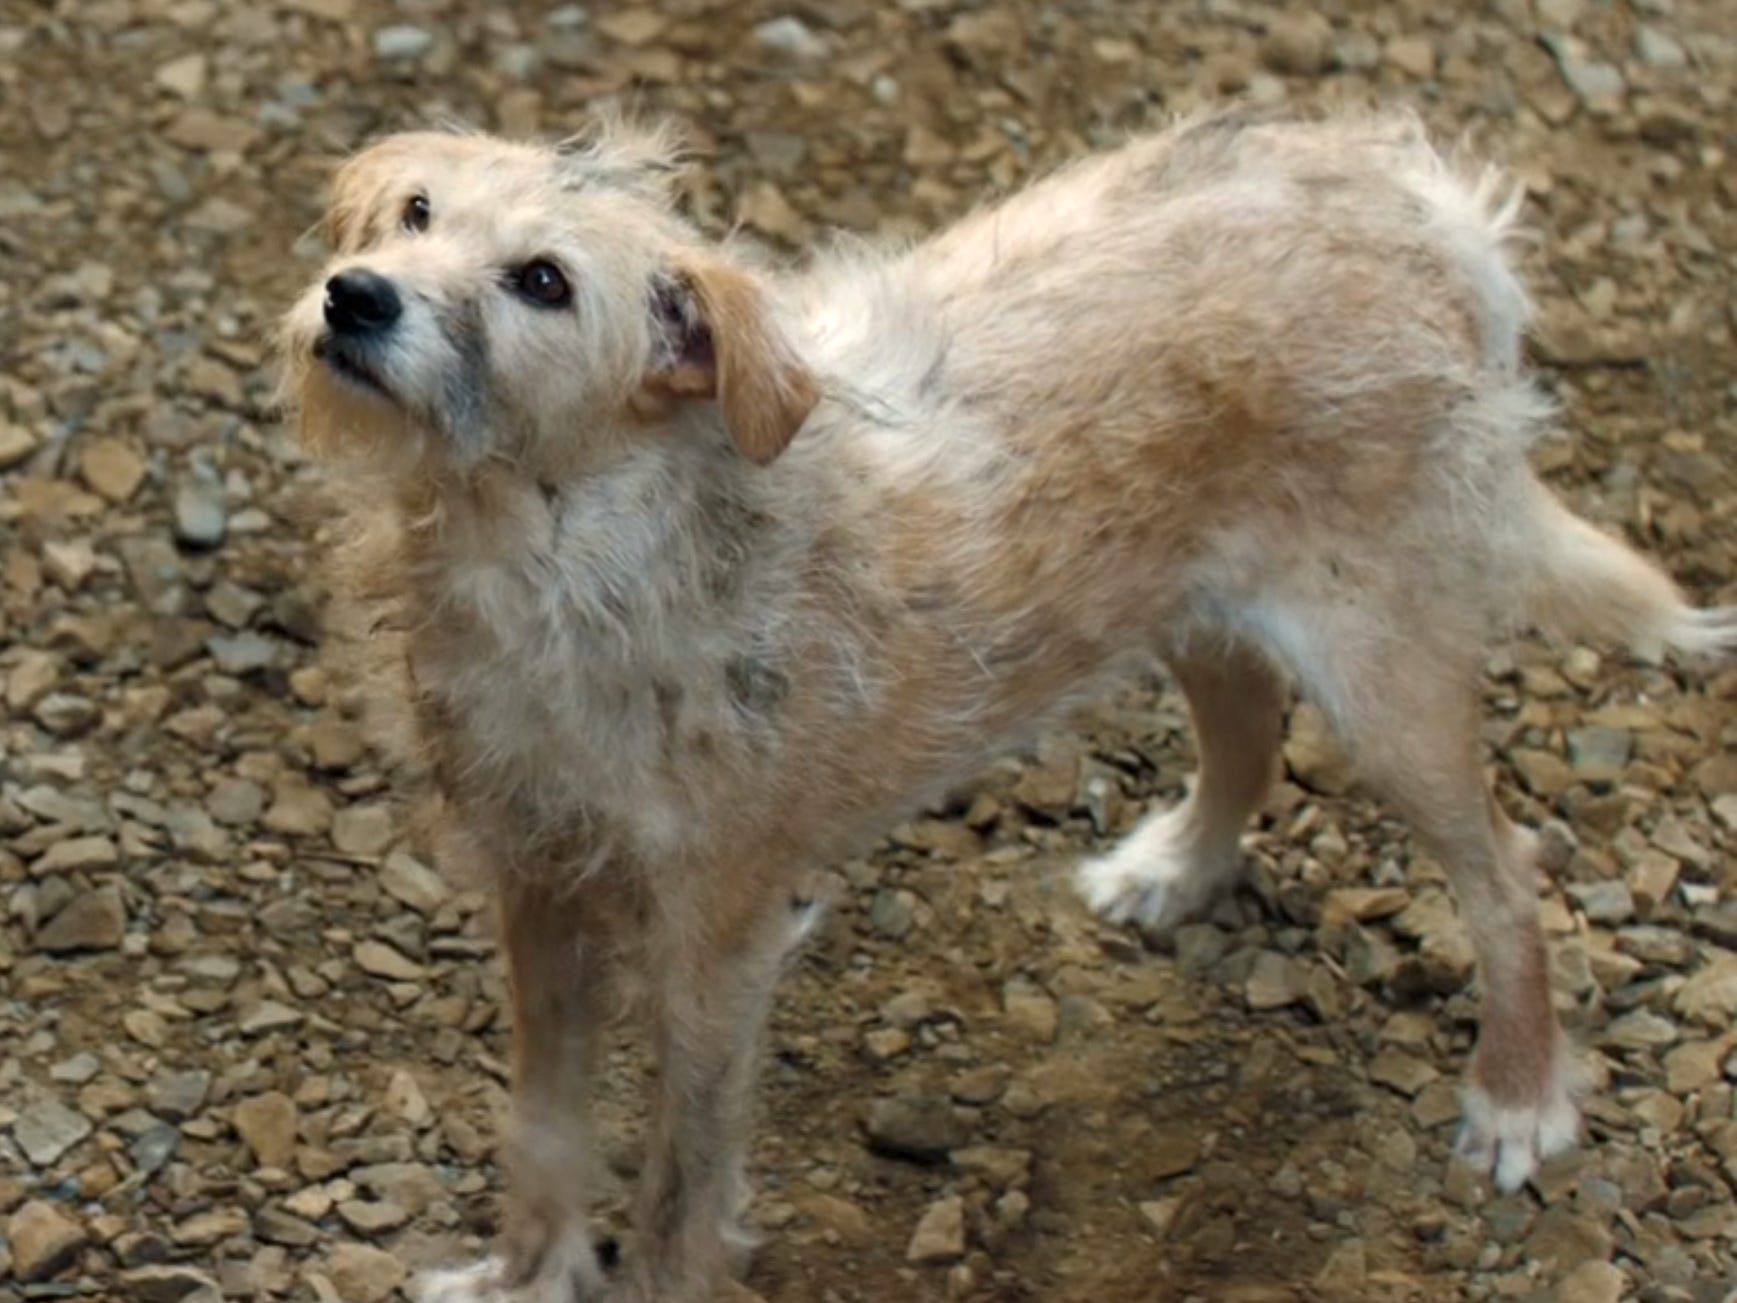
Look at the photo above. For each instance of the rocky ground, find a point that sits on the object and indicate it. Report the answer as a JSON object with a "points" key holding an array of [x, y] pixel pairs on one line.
{"points": [[251, 1047]]}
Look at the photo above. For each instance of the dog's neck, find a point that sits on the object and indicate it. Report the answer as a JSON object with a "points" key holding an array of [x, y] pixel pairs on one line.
{"points": [[675, 528]]}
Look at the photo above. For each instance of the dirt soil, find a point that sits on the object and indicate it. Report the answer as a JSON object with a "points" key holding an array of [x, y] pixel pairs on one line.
{"points": [[252, 1048]]}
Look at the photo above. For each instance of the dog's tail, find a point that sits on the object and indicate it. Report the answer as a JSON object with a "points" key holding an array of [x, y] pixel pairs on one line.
{"points": [[1588, 584]]}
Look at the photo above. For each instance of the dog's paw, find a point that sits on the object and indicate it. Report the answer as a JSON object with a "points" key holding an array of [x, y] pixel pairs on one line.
{"points": [[481, 1282], [489, 1281], [1153, 880], [1509, 1142]]}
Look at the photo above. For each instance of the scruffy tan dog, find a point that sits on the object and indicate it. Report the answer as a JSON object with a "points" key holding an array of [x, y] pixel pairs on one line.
{"points": [[704, 575]]}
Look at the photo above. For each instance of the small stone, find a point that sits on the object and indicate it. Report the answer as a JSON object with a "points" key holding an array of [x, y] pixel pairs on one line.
{"points": [[1598, 85], [16, 444], [47, 1130], [412, 1186], [362, 1273], [333, 744], [364, 830], [633, 27], [1651, 878], [1171, 1151], [405, 1099], [1604, 902], [891, 913], [789, 37], [113, 469], [1545, 774], [299, 809], [77, 855], [940, 1234], [1313, 754], [1345, 1272], [235, 802], [1599, 753], [1658, 49], [1300, 44], [183, 77], [201, 519], [1694, 1065], [402, 42], [372, 1217], [93, 920], [34, 675], [267, 1125], [1364, 904], [1001, 1167], [1709, 997], [1399, 1071], [921, 1128], [764, 207], [283, 1227], [43, 1240], [1665, 946], [69, 564], [979, 1086], [152, 1149], [66, 714], [1564, 1237], [1160, 1214], [378, 959], [243, 652], [268, 1016], [1641, 1029], [169, 1284], [1592, 1282], [1412, 55], [202, 1230], [1276, 981], [411, 882], [1199, 946], [77, 1070], [1031, 1012]]}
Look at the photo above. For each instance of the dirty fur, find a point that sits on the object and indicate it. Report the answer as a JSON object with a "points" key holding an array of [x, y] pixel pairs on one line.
{"points": [[698, 582]]}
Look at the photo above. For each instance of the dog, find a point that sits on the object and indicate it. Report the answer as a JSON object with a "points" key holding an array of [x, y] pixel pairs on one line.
{"points": [[699, 574]]}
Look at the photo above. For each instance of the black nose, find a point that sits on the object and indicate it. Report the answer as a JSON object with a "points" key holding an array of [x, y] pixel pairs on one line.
{"points": [[359, 301]]}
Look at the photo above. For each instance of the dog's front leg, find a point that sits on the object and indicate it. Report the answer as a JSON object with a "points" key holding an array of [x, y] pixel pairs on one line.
{"points": [[715, 978], [559, 971]]}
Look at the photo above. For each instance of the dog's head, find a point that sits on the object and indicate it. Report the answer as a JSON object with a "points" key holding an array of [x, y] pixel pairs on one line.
{"points": [[542, 304]]}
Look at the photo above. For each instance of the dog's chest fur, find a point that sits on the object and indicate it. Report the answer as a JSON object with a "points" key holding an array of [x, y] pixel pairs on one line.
{"points": [[604, 670]]}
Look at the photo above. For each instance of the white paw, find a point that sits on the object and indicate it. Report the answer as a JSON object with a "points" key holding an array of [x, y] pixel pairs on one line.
{"points": [[569, 1273], [481, 1282], [1510, 1142], [1154, 879]]}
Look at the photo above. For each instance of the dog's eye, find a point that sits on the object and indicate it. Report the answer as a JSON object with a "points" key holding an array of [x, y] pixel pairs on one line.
{"points": [[541, 282], [416, 213]]}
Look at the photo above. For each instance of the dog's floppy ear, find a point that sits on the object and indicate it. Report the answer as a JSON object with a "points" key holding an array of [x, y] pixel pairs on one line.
{"points": [[715, 338]]}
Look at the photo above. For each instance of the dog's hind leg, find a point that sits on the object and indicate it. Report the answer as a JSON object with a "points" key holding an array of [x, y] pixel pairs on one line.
{"points": [[1177, 860], [1398, 678]]}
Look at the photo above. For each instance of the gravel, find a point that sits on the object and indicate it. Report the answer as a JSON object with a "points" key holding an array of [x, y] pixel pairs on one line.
{"points": [[253, 1046]]}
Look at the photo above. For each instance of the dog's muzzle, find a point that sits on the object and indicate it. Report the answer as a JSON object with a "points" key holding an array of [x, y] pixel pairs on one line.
{"points": [[361, 302], [361, 308]]}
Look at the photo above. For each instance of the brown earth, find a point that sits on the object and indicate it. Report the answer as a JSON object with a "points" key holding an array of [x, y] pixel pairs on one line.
{"points": [[249, 1047]]}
